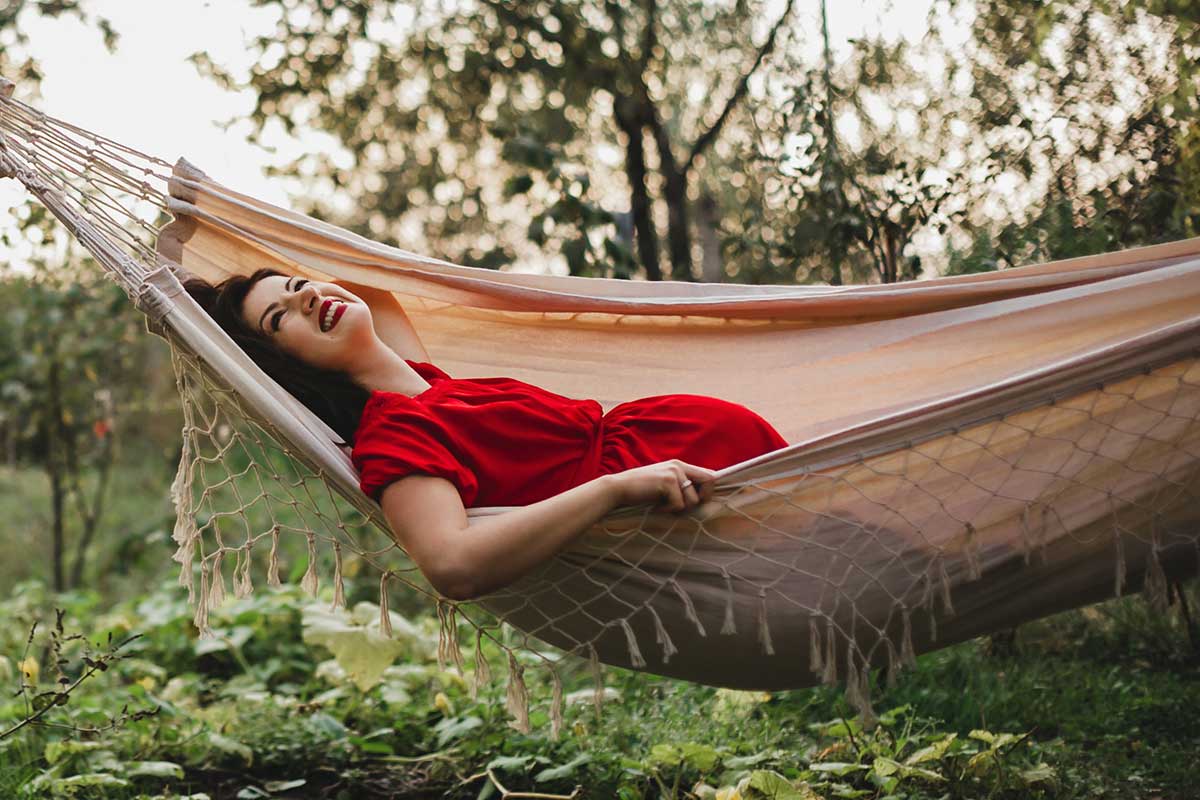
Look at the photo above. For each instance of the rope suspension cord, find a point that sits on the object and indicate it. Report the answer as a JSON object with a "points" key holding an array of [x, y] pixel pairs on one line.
{"points": [[968, 452]]}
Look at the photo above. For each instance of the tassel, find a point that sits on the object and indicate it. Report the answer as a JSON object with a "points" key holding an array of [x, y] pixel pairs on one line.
{"points": [[729, 627], [309, 582], [661, 637], [200, 620], [689, 610], [597, 679], [483, 673], [814, 646], [830, 676], [893, 665], [185, 533], [556, 706], [927, 588], [441, 648], [455, 651], [185, 555], [974, 569], [908, 654], [861, 699], [242, 585], [764, 631], [944, 578], [216, 586], [1121, 576], [852, 685], [339, 589], [273, 566], [635, 655], [518, 699], [385, 617]]}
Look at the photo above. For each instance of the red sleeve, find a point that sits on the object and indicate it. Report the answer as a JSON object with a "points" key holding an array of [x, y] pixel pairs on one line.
{"points": [[398, 437]]}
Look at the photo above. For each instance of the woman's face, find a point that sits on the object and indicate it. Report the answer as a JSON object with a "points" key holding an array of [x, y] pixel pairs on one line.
{"points": [[322, 324]]}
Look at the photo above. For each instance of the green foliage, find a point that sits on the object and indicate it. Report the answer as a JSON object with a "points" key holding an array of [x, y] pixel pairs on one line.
{"points": [[76, 368], [1089, 700]]}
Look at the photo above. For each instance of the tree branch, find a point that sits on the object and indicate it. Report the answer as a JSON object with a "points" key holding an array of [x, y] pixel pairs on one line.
{"points": [[743, 86]]}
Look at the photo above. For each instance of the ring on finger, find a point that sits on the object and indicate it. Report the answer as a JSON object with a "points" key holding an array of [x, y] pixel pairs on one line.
{"points": [[685, 484]]}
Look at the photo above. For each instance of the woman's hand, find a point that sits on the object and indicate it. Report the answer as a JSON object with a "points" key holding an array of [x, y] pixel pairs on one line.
{"points": [[675, 485]]}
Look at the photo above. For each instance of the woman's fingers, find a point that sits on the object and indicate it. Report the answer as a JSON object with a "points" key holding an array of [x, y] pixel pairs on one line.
{"points": [[672, 497], [703, 480]]}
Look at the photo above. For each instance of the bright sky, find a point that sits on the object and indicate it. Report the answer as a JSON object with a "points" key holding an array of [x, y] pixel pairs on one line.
{"points": [[149, 96]]}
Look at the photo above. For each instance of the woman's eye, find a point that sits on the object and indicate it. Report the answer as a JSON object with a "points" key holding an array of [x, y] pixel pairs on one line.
{"points": [[275, 321], [299, 284]]}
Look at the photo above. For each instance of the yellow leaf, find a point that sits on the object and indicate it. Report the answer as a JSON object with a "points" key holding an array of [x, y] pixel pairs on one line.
{"points": [[30, 669], [442, 703]]}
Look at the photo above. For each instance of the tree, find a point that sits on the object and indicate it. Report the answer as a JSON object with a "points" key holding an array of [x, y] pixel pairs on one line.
{"points": [[1088, 112], [440, 109]]}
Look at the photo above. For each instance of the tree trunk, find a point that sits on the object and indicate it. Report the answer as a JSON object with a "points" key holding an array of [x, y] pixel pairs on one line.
{"points": [[712, 270], [675, 193], [639, 199], [54, 469]]}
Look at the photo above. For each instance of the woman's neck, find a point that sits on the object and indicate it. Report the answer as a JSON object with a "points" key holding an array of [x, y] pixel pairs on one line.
{"points": [[383, 370]]}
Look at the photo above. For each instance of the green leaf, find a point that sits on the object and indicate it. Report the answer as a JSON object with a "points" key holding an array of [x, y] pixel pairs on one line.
{"points": [[1042, 773], [331, 727], [773, 786], [275, 787], [932, 752], [700, 756], [229, 746], [887, 767], [664, 755], [356, 642], [59, 751], [558, 773], [154, 769], [452, 728], [92, 780], [510, 763], [839, 768]]}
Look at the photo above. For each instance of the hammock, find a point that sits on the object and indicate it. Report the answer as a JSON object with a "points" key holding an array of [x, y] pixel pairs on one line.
{"points": [[968, 452]]}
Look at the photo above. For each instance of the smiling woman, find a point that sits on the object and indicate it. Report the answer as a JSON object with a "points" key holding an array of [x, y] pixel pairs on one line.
{"points": [[428, 446]]}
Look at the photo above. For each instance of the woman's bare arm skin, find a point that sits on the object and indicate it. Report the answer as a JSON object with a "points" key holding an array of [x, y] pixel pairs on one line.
{"points": [[462, 562]]}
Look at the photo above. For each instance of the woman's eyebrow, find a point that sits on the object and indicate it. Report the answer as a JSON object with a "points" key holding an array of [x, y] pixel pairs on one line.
{"points": [[286, 285]]}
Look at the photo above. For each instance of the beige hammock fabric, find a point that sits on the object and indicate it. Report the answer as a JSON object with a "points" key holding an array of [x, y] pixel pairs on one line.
{"points": [[967, 452]]}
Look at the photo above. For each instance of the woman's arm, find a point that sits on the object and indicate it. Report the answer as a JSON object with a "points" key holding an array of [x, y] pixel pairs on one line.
{"points": [[462, 562]]}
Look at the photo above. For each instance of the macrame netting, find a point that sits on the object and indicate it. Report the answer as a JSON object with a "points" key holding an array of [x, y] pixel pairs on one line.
{"points": [[969, 453]]}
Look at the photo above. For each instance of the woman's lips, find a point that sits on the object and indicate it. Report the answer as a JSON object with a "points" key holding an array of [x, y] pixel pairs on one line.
{"points": [[330, 313]]}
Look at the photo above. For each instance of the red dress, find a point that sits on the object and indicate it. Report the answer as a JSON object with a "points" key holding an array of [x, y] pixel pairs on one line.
{"points": [[503, 442]]}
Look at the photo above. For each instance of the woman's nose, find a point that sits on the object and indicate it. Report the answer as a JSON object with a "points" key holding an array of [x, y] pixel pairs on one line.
{"points": [[306, 298]]}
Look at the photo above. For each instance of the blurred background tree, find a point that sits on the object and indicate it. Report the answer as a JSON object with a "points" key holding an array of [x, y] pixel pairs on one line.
{"points": [[509, 132], [78, 375]]}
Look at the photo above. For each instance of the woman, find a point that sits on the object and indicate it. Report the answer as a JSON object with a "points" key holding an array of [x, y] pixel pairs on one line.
{"points": [[428, 446]]}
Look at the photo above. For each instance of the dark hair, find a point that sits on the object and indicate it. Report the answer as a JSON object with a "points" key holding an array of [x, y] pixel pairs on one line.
{"points": [[330, 394]]}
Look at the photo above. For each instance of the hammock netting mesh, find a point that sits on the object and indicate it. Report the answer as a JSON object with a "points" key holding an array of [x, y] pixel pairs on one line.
{"points": [[969, 453]]}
